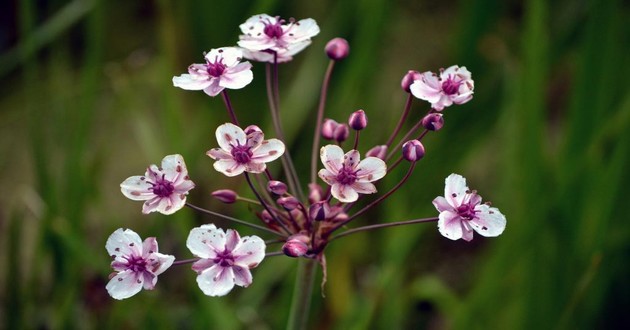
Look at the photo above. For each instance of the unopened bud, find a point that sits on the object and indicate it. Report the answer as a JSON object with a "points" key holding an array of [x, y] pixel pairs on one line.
{"points": [[296, 245], [408, 79], [289, 203], [276, 187], [319, 211], [314, 193], [378, 152], [358, 120], [341, 132], [337, 49], [413, 150], [226, 196], [251, 129], [433, 121], [328, 129]]}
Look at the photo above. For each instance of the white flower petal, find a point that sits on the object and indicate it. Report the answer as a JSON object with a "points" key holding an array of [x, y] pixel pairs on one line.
{"points": [[124, 285], [344, 193], [206, 241], [455, 189], [229, 167], [229, 135], [216, 281], [214, 88], [137, 188], [364, 187], [490, 222], [327, 176], [164, 261], [238, 76], [441, 204], [269, 150], [304, 29], [351, 159], [190, 82], [427, 88], [124, 242], [450, 225], [332, 158], [242, 276], [371, 169], [250, 252]]}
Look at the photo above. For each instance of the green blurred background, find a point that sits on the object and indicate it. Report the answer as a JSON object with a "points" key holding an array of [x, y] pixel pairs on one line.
{"points": [[86, 100]]}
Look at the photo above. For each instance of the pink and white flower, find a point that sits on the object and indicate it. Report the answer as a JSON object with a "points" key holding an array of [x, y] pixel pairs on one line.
{"points": [[163, 189], [239, 152], [454, 85], [223, 69], [461, 212], [137, 263], [264, 35], [348, 175], [226, 258]]}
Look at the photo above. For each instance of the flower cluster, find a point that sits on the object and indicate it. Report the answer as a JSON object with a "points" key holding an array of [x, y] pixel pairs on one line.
{"points": [[305, 223]]}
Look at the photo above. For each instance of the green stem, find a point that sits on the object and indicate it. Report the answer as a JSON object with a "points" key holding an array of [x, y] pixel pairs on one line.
{"points": [[301, 302]]}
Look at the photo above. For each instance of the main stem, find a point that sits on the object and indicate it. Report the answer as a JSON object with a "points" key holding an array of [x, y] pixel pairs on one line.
{"points": [[301, 302]]}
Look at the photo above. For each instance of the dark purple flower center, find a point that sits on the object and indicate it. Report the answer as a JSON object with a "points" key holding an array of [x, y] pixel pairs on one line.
{"points": [[136, 264], [224, 259], [346, 176], [467, 211], [451, 86], [274, 30], [242, 154], [216, 69], [162, 187]]}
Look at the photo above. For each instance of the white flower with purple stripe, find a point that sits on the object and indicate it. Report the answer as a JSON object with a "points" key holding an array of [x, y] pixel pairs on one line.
{"points": [[461, 212], [226, 258], [454, 85], [243, 151], [163, 189], [223, 69], [348, 175], [137, 264]]}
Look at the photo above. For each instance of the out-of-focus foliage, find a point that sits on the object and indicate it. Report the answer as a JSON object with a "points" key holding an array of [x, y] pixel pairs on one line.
{"points": [[87, 100]]}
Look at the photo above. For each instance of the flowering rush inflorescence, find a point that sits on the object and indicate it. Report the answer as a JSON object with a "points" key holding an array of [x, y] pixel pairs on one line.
{"points": [[304, 223]]}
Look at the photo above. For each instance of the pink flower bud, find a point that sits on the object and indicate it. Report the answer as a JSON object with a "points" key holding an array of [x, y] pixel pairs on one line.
{"points": [[433, 121], [341, 132], [319, 211], [289, 203], [413, 150], [408, 79], [296, 245], [328, 129], [276, 187], [378, 152], [251, 129], [337, 49], [314, 193], [226, 196], [358, 120]]}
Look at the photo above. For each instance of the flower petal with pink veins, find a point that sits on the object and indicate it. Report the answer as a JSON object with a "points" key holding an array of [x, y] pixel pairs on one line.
{"points": [[242, 276], [137, 188], [191, 83], [216, 281], [218, 153], [250, 252], [364, 187], [427, 87], [124, 285], [441, 204], [450, 226], [214, 88], [327, 176], [238, 76], [206, 241], [269, 150], [455, 189], [164, 261], [229, 167], [332, 158], [351, 159], [229, 135], [123, 242], [371, 169], [232, 238], [344, 193]]}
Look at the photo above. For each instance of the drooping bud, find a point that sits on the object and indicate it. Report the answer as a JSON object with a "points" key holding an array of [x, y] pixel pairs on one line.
{"points": [[413, 150], [314, 193], [433, 121], [337, 49], [328, 129], [378, 152], [251, 129], [296, 245], [341, 132], [358, 120], [319, 211], [288, 203], [408, 79], [276, 187], [226, 196]]}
